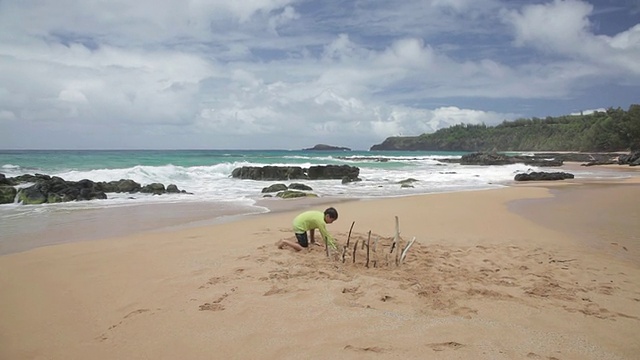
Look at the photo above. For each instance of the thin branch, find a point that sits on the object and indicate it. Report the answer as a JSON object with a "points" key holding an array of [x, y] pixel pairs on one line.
{"points": [[326, 245], [406, 248], [349, 237], [355, 247], [368, 247], [396, 237]]}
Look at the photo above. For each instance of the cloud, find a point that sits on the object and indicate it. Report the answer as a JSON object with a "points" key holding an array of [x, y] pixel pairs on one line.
{"points": [[272, 73], [589, 111], [563, 27]]}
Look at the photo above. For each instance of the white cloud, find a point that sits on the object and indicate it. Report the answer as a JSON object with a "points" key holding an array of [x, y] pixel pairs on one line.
{"points": [[589, 111], [7, 115], [300, 72], [563, 27]]}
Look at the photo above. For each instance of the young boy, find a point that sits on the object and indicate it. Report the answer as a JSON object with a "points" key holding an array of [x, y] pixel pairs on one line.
{"points": [[309, 221]]}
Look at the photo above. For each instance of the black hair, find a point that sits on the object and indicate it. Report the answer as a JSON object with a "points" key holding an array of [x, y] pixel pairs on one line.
{"points": [[333, 213]]}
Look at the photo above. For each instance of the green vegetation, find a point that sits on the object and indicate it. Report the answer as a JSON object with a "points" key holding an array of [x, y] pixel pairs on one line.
{"points": [[611, 130]]}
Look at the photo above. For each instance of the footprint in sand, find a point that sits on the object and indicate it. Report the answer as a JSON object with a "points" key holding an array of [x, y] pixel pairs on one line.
{"points": [[215, 305], [104, 336], [374, 349], [450, 345]]}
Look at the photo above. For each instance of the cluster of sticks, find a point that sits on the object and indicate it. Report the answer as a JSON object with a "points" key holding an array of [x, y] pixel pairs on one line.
{"points": [[400, 255]]}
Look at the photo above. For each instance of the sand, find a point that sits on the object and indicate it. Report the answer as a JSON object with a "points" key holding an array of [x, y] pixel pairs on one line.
{"points": [[530, 271]]}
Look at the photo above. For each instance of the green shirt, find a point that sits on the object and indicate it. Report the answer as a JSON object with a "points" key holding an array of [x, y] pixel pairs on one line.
{"points": [[311, 219]]}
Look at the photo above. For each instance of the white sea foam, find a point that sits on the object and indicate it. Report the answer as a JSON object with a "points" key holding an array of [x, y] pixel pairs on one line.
{"points": [[213, 183]]}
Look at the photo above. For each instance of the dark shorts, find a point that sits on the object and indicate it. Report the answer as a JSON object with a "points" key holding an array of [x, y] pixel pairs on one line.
{"points": [[302, 239]]}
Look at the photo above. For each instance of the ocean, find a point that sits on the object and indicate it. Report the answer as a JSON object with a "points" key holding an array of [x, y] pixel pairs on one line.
{"points": [[206, 174]]}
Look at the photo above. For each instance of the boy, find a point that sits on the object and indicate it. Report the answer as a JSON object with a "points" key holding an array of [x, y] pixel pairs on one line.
{"points": [[309, 221]]}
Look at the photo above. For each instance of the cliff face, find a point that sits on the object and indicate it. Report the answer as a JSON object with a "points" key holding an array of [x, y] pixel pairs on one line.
{"points": [[408, 143]]}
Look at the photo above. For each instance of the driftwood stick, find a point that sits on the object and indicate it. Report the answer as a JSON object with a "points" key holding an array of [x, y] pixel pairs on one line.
{"points": [[399, 240], [349, 237], [344, 252], [375, 243], [406, 248], [326, 246], [355, 247], [368, 247], [375, 251], [396, 237]]}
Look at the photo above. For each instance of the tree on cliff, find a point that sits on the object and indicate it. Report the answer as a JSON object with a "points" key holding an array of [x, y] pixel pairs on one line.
{"points": [[611, 130]]}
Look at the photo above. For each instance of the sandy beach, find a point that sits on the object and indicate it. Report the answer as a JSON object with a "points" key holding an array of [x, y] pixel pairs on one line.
{"points": [[530, 271]]}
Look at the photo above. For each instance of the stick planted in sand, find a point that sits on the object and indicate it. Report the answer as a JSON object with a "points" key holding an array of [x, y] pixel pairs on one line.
{"points": [[326, 246], [344, 252], [396, 237], [355, 247], [368, 247], [406, 248], [349, 237], [375, 251]]}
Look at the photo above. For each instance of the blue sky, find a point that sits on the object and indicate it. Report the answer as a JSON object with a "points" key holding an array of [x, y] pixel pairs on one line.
{"points": [[289, 74]]}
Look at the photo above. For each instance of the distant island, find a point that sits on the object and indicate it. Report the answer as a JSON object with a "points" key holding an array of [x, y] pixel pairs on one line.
{"points": [[601, 131], [323, 147]]}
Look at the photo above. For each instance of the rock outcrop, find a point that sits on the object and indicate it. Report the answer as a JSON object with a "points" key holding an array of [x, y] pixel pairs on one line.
{"points": [[275, 173], [543, 176], [323, 147], [632, 159], [40, 189]]}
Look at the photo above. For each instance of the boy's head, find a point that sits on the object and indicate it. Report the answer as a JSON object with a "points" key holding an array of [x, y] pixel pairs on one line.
{"points": [[330, 215]]}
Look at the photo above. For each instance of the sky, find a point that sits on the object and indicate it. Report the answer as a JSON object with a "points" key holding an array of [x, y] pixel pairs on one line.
{"points": [[290, 74]]}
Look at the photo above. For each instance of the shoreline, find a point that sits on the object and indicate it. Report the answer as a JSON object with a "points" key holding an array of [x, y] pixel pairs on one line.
{"points": [[494, 274], [97, 224]]}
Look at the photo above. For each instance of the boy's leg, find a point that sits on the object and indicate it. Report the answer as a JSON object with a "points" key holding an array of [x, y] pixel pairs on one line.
{"points": [[302, 242], [291, 244]]}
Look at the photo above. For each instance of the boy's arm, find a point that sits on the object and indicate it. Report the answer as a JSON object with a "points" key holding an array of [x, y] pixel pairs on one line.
{"points": [[312, 236], [327, 238]]}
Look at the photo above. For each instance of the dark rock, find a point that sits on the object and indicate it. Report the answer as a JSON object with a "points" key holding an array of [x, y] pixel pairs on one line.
{"points": [[7, 194], [632, 159], [323, 147], [31, 196], [407, 181], [289, 194], [347, 179], [534, 161], [320, 172], [53, 189], [539, 159], [480, 158], [154, 188], [543, 176], [274, 188], [333, 172], [172, 189], [269, 173], [127, 185], [298, 186]]}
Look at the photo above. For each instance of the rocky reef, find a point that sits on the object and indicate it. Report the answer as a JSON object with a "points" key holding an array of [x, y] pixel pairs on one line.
{"points": [[39, 189]]}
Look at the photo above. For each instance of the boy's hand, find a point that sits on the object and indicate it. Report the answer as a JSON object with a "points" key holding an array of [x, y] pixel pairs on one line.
{"points": [[331, 243]]}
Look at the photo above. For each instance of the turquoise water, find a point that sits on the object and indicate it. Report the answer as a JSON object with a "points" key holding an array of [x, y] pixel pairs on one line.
{"points": [[14, 162]]}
